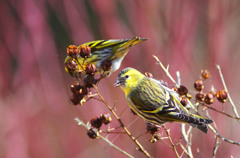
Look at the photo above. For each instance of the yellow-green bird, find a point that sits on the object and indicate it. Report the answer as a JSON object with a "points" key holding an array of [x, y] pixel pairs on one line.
{"points": [[154, 102], [113, 50]]}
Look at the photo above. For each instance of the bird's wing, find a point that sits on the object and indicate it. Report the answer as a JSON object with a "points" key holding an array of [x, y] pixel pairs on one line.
{"points": [[103, 44], [157, 102], [103, 50], [152, 97]]}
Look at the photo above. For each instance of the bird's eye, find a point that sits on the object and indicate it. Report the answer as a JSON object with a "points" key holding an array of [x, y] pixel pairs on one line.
{"points": [[127, 76]]}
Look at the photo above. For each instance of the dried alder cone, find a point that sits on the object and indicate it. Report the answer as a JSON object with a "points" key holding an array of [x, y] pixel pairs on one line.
{"points": [[222, 96], [198, 85], [92, 133], [72, 51], [96, 124], [90, 69], [106, 65], [200, 96], [182, 90], [184, 101], [85, 51], [152, 128], [106, 118], [78, 93], [209, 98], [205, 74]]}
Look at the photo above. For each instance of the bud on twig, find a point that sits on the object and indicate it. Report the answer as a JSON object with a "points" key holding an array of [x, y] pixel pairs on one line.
{"points": [[92, 133], [182, 90], [96, 122], [222, 96], [72, 51], [152, 128], [106, 118], [106, 65], [198, 85], [209, 98], [85, 51], [90, 69], [205, 74]]}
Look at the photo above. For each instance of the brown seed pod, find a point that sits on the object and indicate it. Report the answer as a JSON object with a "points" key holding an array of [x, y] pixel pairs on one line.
{"points": [[89, 81], [90, 69], [92, 133], [148, 74], [106, 65], [205, 74], [75, 88], [155, 138], [222, 96], [182, 90], [106, 118], [85, 51], [79, 90], [75, 99], [183, 101], [96, 122], [200, 96], [209, 98], [71, 66], [152, 128], [198, 85], [72, 51]]}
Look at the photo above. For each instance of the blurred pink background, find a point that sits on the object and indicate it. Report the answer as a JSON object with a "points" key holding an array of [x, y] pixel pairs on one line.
{"points": [[37, 118]]}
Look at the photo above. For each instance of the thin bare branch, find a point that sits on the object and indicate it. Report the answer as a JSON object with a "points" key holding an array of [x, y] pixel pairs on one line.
{"points": [[121, 123], [81, 123], [166, 70], [216, 145], [224, 139], [209, 107], [229, 97], [186, 139], [170, 139]]}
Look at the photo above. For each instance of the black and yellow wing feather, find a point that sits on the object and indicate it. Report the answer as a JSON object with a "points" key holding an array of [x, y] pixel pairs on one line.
{"points": [[158, 104]]}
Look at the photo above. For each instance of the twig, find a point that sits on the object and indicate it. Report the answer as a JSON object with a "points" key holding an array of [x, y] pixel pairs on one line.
{"points": [[216, 145], [166, 70], [170, 139], [184, 150], [188, 151], [209, 107], [224, 139], [121, 123], [81, 123], [185, 137], [178, 78], [225, 87]]}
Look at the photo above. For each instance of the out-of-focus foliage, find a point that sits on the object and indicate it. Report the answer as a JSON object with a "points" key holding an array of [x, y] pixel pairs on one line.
{"points": [[36, 114]]}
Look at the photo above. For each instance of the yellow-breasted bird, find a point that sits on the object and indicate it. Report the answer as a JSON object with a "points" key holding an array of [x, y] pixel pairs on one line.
{"points": [[113, 51], [154, 102]]}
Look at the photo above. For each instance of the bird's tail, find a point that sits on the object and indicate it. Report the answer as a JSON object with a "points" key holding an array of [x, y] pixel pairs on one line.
{"points": [[200, 122], [131, 42]]}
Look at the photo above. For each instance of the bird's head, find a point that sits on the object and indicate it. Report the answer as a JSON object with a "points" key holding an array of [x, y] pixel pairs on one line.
{"points": [[128, 79]]}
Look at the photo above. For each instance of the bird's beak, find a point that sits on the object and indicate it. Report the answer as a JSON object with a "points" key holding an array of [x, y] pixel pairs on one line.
{"points": [[118, 83]]}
